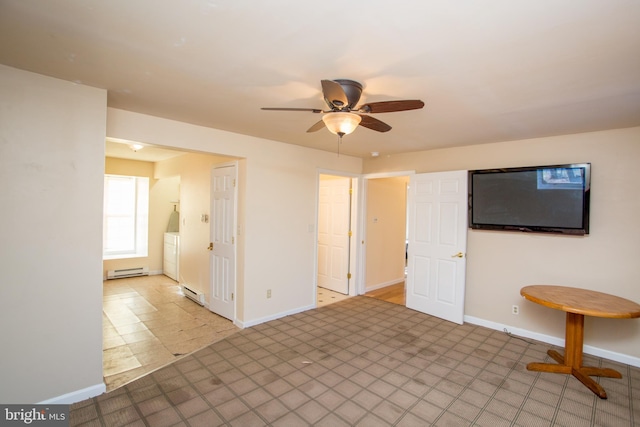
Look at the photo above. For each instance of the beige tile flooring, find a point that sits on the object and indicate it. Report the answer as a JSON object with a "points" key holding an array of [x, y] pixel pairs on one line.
{"points": [[148, 323], [365, 362], [326, 297]]}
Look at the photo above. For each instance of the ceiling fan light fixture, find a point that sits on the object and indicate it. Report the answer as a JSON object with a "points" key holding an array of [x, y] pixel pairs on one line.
{"points": [[341, 123]]}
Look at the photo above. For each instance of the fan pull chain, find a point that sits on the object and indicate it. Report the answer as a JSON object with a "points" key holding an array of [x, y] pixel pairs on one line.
{"points": [[340, 135]]}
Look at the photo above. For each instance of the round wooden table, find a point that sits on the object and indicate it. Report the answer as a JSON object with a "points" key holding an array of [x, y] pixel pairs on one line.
{"points": [[578, 303]]}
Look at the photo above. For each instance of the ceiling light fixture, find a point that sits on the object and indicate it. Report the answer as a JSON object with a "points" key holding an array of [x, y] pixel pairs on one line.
{"points": [[341, 123], [136, 147]]}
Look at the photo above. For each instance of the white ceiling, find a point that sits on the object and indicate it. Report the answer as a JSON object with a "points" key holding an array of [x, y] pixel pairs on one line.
{"points": [[487, 70]]}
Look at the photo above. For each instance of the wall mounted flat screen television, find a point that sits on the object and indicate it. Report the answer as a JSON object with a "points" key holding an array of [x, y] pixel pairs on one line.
{"points": [[543, 199]]}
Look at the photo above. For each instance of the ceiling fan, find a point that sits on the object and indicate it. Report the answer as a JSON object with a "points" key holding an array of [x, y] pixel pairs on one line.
{"points": [[343, 116]]}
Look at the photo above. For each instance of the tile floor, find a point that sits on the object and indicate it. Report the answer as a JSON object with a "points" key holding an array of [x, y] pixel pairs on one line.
{"points": [[148, 323], [365, 362], [326, 297]]}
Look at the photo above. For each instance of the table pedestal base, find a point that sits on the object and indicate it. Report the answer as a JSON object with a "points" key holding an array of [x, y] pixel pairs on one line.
{"points": [[583, 373], [571, 362]]}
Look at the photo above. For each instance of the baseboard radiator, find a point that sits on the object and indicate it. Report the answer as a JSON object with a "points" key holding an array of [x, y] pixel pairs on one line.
{"points": [[193, 295], [127, 272]]}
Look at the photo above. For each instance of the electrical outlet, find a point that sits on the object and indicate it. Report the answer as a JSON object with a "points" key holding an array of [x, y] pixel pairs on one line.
{"points": [[268, 293], [515, 309]]}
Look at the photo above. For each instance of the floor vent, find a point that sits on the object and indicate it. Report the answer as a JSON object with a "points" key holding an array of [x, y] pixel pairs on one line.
{"points": [[196, 296], [127, 272]]}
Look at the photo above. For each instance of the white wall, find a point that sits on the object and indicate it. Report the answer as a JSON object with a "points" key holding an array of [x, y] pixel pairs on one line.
{"points": [[277, 207], [52, 137], [500, 263]]}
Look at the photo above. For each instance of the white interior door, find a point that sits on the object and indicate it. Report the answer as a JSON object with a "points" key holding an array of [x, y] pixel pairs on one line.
{"points": [[437, 244], [222, 246], [334, 213]]}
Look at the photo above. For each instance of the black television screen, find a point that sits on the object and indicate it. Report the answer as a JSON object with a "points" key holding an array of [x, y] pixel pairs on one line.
{"points": [[546, 199]]}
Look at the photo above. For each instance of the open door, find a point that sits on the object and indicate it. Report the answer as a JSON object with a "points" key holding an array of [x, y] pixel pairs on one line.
{"points": [[437, 244], [223, 244]]}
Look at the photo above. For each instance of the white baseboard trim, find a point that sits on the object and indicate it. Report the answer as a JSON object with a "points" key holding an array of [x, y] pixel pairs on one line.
{"points": [[151, 273], [383, 285], [76, 396], [587, 349], [254, 322]]}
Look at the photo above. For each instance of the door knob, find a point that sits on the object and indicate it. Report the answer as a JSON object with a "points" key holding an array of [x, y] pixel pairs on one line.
{"points": [[210, 246], [458, 255]]}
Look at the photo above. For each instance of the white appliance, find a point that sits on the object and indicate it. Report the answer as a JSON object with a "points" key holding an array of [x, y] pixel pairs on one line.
{"points": [[171, 265]]}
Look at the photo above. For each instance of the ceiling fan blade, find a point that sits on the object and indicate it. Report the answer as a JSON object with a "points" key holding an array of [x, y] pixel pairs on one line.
{"points": [[374, 124], [319, 125], [313, 110], [334, 94], [391, 106]]}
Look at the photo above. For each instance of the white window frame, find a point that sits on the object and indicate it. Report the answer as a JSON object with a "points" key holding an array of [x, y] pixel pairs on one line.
{"points": [[139, 214]]}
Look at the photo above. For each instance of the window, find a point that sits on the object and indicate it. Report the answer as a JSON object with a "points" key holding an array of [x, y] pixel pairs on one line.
{"points": [[126, 216]]}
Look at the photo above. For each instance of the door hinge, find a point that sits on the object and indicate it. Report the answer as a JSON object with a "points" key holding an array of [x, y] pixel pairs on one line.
{"points": [[351, 191], [350, 233], [348, 275], [231, 296], [233, 240], [234, 182]]}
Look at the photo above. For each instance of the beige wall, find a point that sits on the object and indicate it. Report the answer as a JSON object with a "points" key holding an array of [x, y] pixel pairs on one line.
{"points": [[161, 193], [52, 137], [386, 231], [500, 263]]}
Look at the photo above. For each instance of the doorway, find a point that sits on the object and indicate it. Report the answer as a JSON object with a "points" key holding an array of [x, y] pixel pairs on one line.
{"points": [[434, 240], [385, 244]]}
